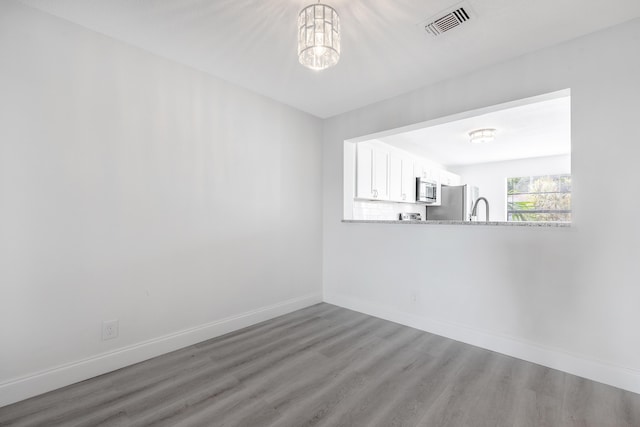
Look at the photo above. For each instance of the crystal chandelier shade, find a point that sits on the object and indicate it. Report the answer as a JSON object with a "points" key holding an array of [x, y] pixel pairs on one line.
{"points": [[318, 37]]}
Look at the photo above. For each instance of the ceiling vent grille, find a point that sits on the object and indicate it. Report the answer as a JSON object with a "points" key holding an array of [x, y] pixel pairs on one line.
{"points": [[448, 20]]}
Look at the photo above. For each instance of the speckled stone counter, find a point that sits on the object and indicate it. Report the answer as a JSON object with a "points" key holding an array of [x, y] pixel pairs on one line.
{"points": [[473, 223]]}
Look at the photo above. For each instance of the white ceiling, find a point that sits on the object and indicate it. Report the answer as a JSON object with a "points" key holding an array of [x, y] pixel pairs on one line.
{"points": [[534, 130], [384, 52]]}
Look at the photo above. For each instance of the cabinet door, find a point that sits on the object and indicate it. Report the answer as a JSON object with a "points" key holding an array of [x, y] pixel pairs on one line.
{"points": [[445, 178], [395, 178], [455, 179], [364, 171], [408, 184], [426, 172], [419, 170], [380, 174], [449, 178]]}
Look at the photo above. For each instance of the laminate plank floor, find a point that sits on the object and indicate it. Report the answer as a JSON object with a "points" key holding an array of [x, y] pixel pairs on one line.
{"points": [[328, 366]]}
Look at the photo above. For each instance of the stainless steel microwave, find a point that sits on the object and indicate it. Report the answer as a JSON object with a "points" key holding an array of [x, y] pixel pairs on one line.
{"points": [[426, 191]]}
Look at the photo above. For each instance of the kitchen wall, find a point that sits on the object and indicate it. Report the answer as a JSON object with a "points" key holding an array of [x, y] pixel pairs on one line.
{"points": [[491, 179], [562, 297], [138, 189]]}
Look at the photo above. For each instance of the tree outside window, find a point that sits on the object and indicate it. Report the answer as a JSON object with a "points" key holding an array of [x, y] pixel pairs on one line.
{"points": [[539, 198]]}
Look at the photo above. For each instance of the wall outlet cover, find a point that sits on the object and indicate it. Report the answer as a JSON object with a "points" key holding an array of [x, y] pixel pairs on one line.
{"points": [[109, 329]]}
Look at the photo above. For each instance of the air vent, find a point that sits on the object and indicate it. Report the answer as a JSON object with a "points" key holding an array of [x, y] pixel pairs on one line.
{"points": [[448, 19]]}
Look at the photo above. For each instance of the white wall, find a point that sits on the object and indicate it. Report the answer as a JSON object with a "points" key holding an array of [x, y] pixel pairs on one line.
{"points": [[563, 297], [491, 179], [132, 187]]}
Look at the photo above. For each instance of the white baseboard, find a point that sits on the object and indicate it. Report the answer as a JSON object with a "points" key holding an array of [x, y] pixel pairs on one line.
{"points": [[41, 382], [616, 376]]}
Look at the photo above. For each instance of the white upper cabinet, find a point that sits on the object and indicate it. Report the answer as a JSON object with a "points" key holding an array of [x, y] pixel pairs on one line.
{"points": [[364, 171], [386, 173], [402, 181], [408, 181], [395, 177], [380, 174], [449, 178], [372, 172], [419, 170], [426, 172]]}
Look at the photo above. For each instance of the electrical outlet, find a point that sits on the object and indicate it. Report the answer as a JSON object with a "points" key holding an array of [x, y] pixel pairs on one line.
{"points": [[109, 329]]}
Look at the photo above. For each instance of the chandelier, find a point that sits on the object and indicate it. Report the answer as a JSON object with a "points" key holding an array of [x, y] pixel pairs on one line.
{"points": [[318, 36]]}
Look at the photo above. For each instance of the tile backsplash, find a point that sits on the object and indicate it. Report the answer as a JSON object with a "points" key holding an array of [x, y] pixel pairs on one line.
{"points": [[371, 210]]}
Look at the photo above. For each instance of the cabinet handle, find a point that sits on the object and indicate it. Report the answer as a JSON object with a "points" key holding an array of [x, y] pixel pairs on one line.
{"points": [[404, 196], [375, 193]]}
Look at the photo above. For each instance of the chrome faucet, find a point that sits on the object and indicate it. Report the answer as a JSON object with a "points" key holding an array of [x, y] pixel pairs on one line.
{"points": [[474, 210]]}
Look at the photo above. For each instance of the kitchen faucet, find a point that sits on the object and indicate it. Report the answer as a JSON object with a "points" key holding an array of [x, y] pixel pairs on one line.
{"points": [[475, 209]]}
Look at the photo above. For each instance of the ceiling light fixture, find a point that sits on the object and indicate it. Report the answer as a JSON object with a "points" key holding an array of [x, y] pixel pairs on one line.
{"points": [[482, 135], [318, 36]]}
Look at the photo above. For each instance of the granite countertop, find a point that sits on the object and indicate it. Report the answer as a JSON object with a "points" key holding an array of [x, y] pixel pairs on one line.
{"points": [[442, 222]]}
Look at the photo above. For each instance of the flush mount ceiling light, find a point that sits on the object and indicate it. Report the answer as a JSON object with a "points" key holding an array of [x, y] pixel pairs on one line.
{"points": [[482, 135], [318, 36]]}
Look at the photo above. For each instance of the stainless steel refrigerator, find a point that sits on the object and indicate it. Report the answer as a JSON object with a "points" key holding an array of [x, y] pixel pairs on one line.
{"points": [[455, 203]]}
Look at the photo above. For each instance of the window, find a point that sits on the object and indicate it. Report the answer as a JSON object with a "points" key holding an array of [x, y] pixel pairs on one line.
{"points": [[539, 198]]}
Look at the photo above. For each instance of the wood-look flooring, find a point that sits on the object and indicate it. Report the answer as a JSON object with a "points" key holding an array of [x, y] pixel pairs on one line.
{"points": [[328, 366]]}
